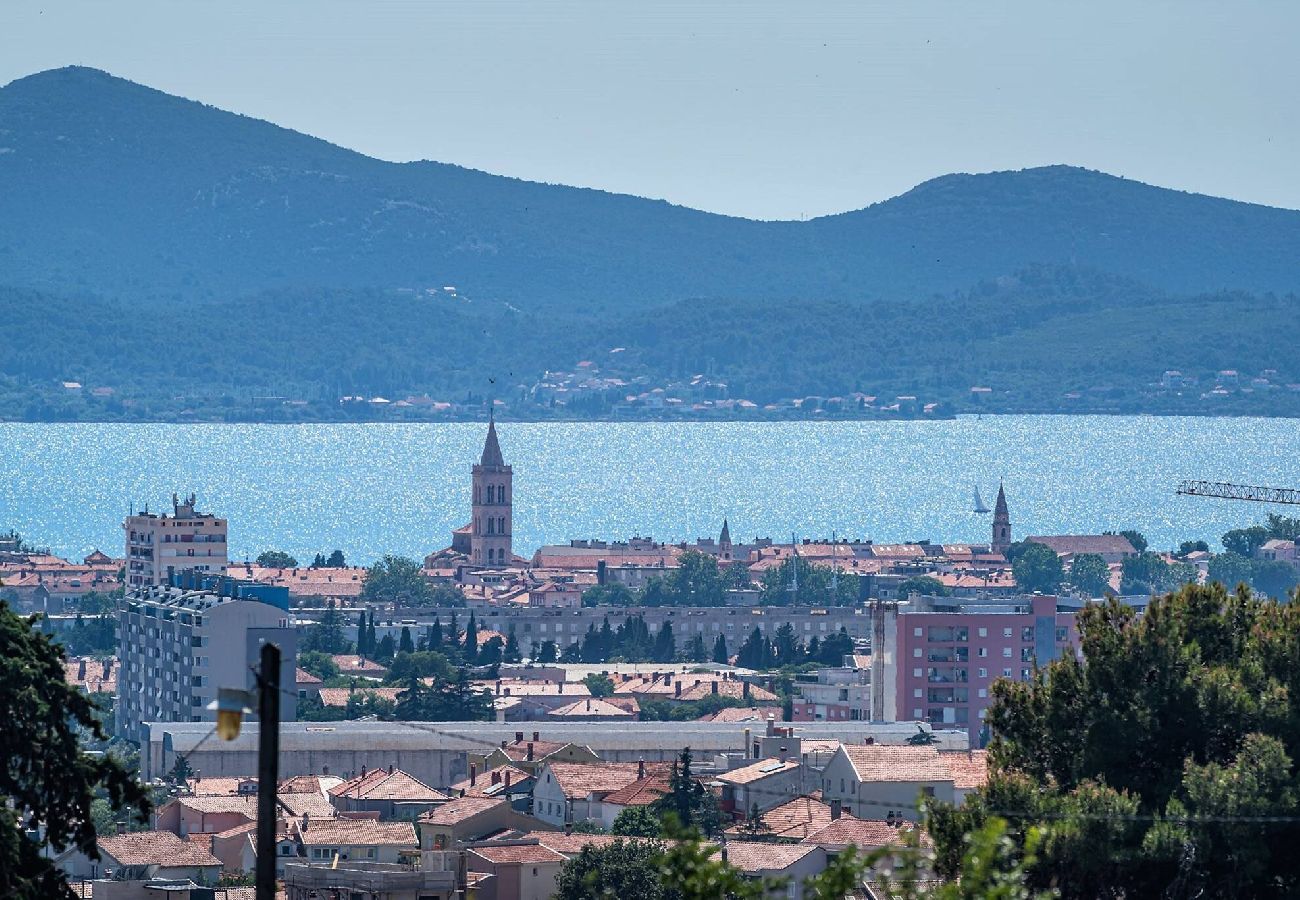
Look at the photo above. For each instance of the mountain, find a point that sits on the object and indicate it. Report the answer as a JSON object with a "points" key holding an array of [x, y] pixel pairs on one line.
{"points": [[114, 190]]}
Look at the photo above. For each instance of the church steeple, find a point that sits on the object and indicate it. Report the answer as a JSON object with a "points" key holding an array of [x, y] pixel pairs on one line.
{"points": [[1001, 523], [491, 448], [725, 539]]}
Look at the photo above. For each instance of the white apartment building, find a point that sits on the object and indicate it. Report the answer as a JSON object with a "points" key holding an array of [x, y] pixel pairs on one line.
{"points": [[179, 643], [160, 545], [841, 694]]}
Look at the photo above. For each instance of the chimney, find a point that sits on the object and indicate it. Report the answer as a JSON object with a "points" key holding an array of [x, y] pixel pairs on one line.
{"points": [[519, 737], [568, 828], [835, 809], [498, 687], [507, 781], [496, 777], [588, 704], [713, 688], [81, 669], [559, 687], [503, 743], [121, 827], [744, 690], [771, 725], [306, 820], [363, 771], [536, 737], [677, 689], [530, 750], [869, 740], [757, 753], [391, 768], [780, 754], [473, 774], [747, 740]]}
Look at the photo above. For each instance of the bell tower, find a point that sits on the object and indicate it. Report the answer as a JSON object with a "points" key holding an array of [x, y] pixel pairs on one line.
{"points": [[1001, 523], [493, 485]]}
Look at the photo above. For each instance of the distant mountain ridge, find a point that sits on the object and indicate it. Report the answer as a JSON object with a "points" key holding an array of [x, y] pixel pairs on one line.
{"points": [[118, 190]]}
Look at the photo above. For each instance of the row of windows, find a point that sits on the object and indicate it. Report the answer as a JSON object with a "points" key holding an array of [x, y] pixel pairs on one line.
{"points": [[981, 673]]}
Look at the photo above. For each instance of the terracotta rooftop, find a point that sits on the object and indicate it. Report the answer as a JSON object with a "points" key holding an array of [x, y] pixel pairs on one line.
{"points": [[577, 780], [223, 804], [758, 771], [460, 809], [306, 803], [155, 848], [794, 819], [725, 688], [358, 832], [484, 786], [339, 696], [358, 665], [865, 833], [970, 768], [219, 787], [589, 707], [753, 857], [514, 854], [743, 714], [302, 676], [572, 844], [533, 689], [1064, 544], [641, 792], [380, 784], [876, 762], [518, 750]]}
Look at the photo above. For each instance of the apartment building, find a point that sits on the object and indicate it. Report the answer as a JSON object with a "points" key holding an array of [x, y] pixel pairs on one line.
{"points": [[937, 657], [159, 545], [179, 643], [841, 694]]}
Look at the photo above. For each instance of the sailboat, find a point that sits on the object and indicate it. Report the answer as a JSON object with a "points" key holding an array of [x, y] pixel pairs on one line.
{"points": [[979, 503]]}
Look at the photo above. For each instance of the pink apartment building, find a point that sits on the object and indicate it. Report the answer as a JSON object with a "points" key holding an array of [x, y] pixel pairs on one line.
{"points": [[938, 657]]}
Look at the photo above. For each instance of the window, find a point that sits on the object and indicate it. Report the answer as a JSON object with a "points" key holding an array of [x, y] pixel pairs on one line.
{"points": [[1006, 673], [983, 693], [1006, 632], [1006, 652], [916, 692], [916, 651], [1024, 674], [1027, 633], [916, 714], [916, 632], [916, 673], [984, 632], [490, 490], [984, 673], [982, 652]]}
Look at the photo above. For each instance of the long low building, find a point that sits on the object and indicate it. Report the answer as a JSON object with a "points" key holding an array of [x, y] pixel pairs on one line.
{"points": [[435, 752]]}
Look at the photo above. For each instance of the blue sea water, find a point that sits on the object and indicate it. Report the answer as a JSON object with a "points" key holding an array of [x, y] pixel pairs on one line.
{"points": [[374, 489]]}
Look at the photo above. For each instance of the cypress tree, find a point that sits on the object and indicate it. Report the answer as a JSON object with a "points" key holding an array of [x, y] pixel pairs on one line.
{"points": [[720, 654]]}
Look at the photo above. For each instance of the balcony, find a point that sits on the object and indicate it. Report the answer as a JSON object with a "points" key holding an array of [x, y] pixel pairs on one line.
{"points": [[949, 654], [947, 635]]}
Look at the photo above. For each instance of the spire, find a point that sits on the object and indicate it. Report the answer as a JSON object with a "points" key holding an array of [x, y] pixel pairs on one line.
{"points": [[725, 539], [1000, 511], [492, 449]]}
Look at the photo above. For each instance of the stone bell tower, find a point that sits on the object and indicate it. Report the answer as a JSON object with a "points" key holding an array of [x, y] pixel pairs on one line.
{"points": [[493, 485]]}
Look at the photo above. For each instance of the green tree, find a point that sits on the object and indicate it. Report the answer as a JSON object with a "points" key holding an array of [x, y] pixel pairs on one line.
{"points": [[687, 800], [363, 636], [1230, 569], [1038, 568], [336, 560], [386, 649], [547, 654], [447, 595], [1283, 528], [665, 646], [1149, 762], [1149, 573], [786, 647], [720, 655], [695, 650], [421, 664], [695, 581], [276, 559], [492, 652], [1273, 577], [924, 585], [512, 654], [398, 580], [327, 635], [638, 821], [404, 643], [1187, 548], [599, 685], [1090, 574], [471, 639], [320, 664], [623, 869], [47, 779], [614, 593], [1136, 538], [1245, 541], [318, 561]]}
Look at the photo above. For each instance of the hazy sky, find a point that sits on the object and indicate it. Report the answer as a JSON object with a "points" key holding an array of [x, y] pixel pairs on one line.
{"points": [[772, 110]]}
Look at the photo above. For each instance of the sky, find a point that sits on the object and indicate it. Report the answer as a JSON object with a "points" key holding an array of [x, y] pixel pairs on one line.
{"points": [[758, 109]]}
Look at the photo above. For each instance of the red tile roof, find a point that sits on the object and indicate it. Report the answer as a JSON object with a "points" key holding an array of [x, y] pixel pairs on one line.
{"points": [[865, 833], [758, 771], [744, 714], [577, 780], [970, 768], [358, 833], [795, 819], [876, 762], [589, 707], [155, 848], [753, 857], [483, 785], [456, 811], [641, 792], [380, 784], [517, 854]]}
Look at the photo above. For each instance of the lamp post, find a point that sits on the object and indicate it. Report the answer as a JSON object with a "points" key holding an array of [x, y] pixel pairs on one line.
{"points": [[231, 706]]}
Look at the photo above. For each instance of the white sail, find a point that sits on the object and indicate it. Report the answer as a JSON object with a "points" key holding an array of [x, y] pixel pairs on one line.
{"points": [[979, 503]]}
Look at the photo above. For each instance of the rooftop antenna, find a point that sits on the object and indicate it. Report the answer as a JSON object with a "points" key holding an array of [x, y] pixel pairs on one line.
{"points": [[794, 566]]}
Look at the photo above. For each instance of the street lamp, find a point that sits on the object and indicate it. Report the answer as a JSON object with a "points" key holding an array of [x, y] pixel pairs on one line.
{"points": [[231, 705]]}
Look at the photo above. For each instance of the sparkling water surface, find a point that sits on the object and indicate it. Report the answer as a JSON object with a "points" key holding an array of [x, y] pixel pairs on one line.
{"points": [[374, 489]]}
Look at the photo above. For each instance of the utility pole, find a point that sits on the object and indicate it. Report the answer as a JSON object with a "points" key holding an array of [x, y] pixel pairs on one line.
{"points": [[268, 767]]}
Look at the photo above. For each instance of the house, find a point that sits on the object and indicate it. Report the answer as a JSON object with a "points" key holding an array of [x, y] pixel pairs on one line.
{"points": [[790, 864], [743, 714], [237, 847], [362, 840], [642, 792], [590, 710], [765, 784], [184, 816], [531, 755], [391, 794], [970, 770], [871, 781], [567, 792], [1113, 548], [512, 783], [556, 595], [438, 876], [359, 666], [521, 870], [465, 819], [793, 820], [308, 685], [141, 855]]}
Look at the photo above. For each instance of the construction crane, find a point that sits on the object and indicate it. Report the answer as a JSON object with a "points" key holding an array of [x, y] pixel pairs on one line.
{"points": [[1225, 491]]}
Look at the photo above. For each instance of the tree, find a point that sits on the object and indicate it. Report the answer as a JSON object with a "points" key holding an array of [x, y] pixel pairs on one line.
{"points": [[336, 560], [492, 651], [1136, 538], [318, 561], [276, 559], [327, 635], [572, 653], [1273, 577], [754, 824], [924, 585], [47, 779], [512, 654], [720, 655], [1283, 528], [397, 580], [625, 869], [1038, 568], [1090, 574], [320, 664], [547, 654], [1149, 762], [1230, 569], [786, 648], [448, 595], [695, 649], [471, 639], [665, 646], [1187, 548], [752, 653], [386, 649], [1245, 541], [687, 800], [1149, 573], [695, 581], [421, 664], [364, 647], [637, 821], [599, 685], [404, 643], [615, 593]]}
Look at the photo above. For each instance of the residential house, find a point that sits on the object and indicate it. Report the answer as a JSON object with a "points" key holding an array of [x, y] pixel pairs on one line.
{"points": [[793, 820], [591, 710], [391, 794], [308, 685], [521, 870], [1113, 548], [567, 793], [466, 819], [790, 864], [531, 755], [185, 815], [642, 792], [364, 840], [140, 855], [512, 783], [765, 784], [872, 781]]}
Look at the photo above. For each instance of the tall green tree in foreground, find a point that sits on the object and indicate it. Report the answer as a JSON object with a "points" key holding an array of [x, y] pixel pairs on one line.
{"points": [[1164, 765], [47, 782]]}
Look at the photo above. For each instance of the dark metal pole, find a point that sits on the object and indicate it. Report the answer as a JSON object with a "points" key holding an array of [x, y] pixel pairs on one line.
{"points": [[268, 767]]}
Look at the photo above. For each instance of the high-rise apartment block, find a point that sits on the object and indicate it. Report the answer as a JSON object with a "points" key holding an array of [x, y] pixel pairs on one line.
{"points": [[179, 643], [158, 546]]}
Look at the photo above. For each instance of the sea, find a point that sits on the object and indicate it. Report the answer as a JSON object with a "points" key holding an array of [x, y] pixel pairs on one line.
{"points": [[375, 489]]}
